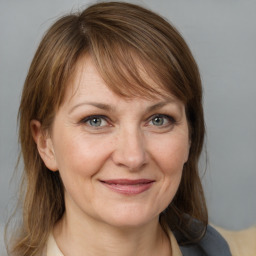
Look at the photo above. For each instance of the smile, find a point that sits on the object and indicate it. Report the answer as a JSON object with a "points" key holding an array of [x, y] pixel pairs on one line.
{"points": [[128, 187]]}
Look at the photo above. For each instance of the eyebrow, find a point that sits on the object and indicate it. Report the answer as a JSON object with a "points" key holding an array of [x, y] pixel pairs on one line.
{"points": [[110, 108], [159, 105], [95, 104]]}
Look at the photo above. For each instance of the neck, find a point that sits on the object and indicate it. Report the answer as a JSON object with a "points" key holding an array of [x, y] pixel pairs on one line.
{"points": [[93, 238]]}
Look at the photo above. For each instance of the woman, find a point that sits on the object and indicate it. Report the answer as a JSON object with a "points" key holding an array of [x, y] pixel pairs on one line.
{"points": [[111, 130]]}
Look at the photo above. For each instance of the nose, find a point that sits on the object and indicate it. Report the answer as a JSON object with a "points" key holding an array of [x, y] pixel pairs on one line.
{"points": [[130, 149]]}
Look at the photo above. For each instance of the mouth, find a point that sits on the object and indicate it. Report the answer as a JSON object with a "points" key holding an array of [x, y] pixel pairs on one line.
{"points": [[127, 186]]}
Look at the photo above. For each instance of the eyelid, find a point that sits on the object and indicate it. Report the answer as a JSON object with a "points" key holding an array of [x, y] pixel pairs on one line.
{"points": [[169, 117]]}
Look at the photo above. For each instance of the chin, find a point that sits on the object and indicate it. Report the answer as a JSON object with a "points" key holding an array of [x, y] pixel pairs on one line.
{"points": [[129, 219], [128, 223]]}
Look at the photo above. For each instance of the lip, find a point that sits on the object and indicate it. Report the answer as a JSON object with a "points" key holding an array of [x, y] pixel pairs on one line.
{"points": [[127, 186]]}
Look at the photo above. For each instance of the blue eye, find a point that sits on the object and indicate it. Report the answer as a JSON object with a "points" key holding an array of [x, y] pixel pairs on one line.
{"points": [[162, 120], [158, 121], [95, 121]]}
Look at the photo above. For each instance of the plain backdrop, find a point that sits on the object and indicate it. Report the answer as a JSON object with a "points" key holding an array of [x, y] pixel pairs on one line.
{"points": [[222, 37]]}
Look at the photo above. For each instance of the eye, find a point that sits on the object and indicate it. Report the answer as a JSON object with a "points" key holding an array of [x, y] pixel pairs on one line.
{"points": [[95, 121], [158, 120], [161, 120]]}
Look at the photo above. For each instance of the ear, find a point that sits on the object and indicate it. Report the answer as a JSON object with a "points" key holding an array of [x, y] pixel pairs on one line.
{"points": [[188, 151], [44, 145]]}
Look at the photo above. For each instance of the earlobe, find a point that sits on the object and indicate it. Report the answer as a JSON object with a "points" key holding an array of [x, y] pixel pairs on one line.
{"points": [[44, 145]]}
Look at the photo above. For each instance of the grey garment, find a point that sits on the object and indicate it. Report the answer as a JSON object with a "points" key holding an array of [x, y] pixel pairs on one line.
{"points": [[212, 244]]}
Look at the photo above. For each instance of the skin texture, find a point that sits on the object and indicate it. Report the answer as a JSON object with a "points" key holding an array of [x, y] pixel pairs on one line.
{"points": [[130, 139]]}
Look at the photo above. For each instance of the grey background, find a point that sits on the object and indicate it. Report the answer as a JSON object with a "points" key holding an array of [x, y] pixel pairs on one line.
{"points": [[222, 37]]}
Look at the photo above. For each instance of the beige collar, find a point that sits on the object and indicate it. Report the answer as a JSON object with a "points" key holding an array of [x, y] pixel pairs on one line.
{"points": [[52, 247], [174, 244]]}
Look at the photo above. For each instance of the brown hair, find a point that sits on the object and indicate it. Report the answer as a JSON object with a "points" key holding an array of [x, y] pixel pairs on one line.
{"points": [[117, 36]]}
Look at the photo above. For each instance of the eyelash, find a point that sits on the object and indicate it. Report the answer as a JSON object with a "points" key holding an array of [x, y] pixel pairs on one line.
{"points": [[170, 120]]}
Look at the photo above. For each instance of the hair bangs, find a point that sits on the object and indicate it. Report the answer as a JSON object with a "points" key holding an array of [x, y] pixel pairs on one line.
{"points": [[137, 56], [124, 71]]}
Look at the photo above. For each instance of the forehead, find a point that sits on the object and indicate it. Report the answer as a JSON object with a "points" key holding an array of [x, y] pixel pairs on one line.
{"points": [[87, 78], [88, 87]]}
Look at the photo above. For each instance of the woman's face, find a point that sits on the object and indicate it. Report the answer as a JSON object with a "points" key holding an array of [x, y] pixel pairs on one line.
{"points": [[120, 159]]}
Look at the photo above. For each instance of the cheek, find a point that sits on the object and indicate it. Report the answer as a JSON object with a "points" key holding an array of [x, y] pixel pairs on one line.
{"points": [[80, 154], [171, 153]]}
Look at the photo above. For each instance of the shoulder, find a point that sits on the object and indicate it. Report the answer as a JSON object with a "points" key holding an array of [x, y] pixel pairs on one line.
{"points": [[242, 243], [211, 244]]}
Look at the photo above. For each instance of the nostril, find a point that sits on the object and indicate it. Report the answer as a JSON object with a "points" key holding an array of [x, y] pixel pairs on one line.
{"points": [[132, 159]]}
